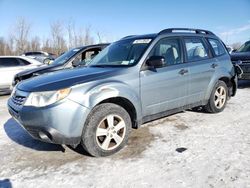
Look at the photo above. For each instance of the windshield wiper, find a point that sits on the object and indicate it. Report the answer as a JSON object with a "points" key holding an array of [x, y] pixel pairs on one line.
{"points": [[102, 66]]}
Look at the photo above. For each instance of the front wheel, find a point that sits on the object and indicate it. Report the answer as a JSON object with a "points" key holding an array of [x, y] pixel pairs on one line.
{"points": [[218, 98], [106, 130]]}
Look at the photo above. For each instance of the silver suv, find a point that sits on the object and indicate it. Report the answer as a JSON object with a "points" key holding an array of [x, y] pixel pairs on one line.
{"points": [[134, 80]]}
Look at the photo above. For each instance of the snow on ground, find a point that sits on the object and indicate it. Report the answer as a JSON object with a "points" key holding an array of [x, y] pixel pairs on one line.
{"points": [[217, 153]]}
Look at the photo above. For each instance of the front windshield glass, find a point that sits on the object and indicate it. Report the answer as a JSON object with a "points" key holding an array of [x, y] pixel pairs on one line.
{"points": [[65, 57], [125, 52], [245, 47]]}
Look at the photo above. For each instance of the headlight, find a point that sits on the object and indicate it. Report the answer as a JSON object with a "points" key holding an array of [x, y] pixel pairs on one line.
{"points": [[40, 99], [13, 91]]}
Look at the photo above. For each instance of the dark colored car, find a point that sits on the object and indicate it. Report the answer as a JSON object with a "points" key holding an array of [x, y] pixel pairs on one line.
{"points": [[243, 55], [73, 58]]}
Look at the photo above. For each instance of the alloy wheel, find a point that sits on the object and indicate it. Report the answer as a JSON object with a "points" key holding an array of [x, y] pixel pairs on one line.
{"points": [[220, 97], [110, 132]]}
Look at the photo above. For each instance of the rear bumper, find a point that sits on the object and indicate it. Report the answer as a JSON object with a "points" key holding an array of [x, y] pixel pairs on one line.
{"points": [[61, 123]]}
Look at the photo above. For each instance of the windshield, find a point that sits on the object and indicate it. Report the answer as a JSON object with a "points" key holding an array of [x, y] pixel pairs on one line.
{"points": [[121, 53], [65, 57], [245, 47]]}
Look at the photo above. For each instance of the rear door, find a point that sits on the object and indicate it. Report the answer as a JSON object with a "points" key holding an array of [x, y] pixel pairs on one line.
{"points": [[201, 67]]}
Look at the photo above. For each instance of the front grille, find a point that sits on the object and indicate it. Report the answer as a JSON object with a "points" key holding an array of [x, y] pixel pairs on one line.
{"points": [[244, 61], [18, 100]]}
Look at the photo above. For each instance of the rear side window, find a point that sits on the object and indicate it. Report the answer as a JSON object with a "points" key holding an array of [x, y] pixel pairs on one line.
{"points": [[196, 49], [23, 62], [217, 47], [33, 53], [9, 62]]}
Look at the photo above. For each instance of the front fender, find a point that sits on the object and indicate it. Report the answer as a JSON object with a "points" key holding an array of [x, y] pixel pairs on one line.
{"points": [[106, 90]]}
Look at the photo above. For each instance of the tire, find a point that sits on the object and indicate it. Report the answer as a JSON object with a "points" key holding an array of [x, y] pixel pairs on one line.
{"points": [[218, 99], [106, 130]]}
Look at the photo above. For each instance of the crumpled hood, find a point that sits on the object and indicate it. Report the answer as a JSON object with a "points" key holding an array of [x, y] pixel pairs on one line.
{"points": [[235, 56], [66, 78]]}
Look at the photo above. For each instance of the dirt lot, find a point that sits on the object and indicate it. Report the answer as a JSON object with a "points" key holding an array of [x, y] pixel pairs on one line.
{"points": [[189, 149]]}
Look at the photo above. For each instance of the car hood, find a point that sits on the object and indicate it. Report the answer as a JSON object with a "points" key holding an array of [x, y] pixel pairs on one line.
{"points": [[38, 70], [66, 78], [235, 56]]}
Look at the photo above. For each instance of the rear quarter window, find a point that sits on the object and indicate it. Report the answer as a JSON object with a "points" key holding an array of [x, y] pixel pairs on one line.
{"points": [[23, 62], [217, 47]]}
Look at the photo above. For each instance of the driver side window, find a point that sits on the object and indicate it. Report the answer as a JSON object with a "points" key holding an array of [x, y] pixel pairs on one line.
{"points": [[169, 49], [84, 57], [77, 60]]}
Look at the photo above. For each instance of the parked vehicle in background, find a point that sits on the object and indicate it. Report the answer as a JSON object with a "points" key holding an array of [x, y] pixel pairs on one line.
{"points": [[11, 65], [134, 80], [43, 57], [243, 55], [229, 49], [73, 58]]}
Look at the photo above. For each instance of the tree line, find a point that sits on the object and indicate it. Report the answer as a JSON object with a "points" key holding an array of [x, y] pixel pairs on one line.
{"points": [[62, 38]]}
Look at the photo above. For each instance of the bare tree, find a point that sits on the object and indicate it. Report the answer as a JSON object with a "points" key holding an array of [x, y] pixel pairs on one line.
{"points": [[20, 34], [2, 46], [46, 46], [61, 38], [58, 41], [6, 47], [87, 36], [35, 44], [98, 33], [236, 45], [72, 36]]}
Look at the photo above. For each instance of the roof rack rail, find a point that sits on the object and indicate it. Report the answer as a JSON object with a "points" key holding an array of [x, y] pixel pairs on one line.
{"points": [[197, 31]]}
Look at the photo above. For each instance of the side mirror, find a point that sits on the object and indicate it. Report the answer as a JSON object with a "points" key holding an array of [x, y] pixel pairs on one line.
{"points": [[156, 61]]}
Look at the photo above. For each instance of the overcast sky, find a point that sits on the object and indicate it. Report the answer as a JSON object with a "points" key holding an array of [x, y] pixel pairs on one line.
{"points": [[230, 19]]}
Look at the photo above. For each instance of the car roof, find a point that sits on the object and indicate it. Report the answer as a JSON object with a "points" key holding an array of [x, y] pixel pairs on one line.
{"points": [[11, 56], [145, 36], [92, 46]]}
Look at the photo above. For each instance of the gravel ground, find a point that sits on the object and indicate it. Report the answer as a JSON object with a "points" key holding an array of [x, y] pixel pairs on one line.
{"points": [[189, 149]]}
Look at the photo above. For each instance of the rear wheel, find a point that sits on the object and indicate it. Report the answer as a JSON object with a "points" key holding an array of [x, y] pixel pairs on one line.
{"points": [[106, 130], [218, 98]]}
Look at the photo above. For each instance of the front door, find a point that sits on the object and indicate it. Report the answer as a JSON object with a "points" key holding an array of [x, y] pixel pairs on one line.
{"points": [[165, 88]]}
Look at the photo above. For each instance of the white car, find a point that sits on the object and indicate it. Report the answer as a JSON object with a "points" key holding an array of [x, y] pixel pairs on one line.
{"points": [[11, 65]]}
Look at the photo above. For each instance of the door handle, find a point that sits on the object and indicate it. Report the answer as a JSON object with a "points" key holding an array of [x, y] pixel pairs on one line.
{"points": [[214, 65], [183, 71]]}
